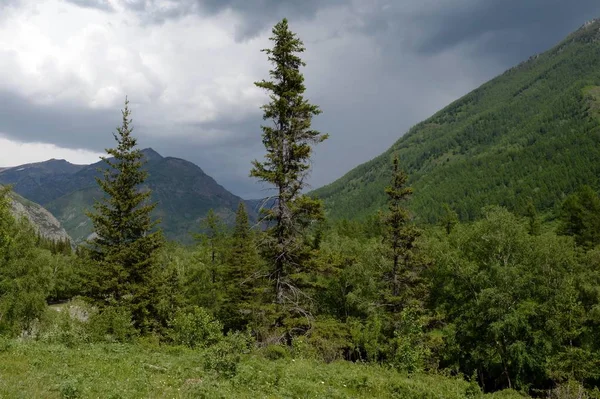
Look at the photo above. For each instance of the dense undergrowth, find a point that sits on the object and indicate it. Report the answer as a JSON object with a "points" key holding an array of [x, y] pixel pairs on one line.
{"points": [[66, 359]]}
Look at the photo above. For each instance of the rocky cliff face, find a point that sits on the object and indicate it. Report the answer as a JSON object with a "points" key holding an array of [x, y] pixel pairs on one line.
{"points": [[42, 220]]}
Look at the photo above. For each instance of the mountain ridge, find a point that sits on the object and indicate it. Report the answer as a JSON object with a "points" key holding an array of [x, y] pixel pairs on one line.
{"points": [[505, 142], [183, 191]]}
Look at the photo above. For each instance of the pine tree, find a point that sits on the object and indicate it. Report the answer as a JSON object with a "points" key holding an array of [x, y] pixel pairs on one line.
{"points": [[288, 142], [400, 236], [125, 244], [214, 238], [242, 263]]}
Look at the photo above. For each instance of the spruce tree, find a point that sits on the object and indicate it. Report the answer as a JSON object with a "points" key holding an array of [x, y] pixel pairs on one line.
{"points": [[126, 239], [288, 141], [400, 237], [214, 237], [533, 219], [242, 263]]}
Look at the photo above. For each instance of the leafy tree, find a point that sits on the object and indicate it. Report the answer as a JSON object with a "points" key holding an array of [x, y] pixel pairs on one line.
{"points": [[512, 310], [288, 142], [24, 275], [449, 219], [125, 244]]}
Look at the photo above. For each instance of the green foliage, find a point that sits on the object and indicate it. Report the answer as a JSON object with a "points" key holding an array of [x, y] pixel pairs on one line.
{"points": [[24, 275], [512, 302], [125, 245], [449, 219], [225, 356], [580, 217], [112, 324], [195, 328], [408, 346], [61, 325], [241, 280]]}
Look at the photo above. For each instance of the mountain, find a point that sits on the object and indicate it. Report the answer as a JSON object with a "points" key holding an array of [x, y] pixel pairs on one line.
{"points": [[531, 133], [43, 221], [183, 191]]}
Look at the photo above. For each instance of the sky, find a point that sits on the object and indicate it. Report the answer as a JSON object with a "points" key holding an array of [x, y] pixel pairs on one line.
{"points": [[375, 67]]}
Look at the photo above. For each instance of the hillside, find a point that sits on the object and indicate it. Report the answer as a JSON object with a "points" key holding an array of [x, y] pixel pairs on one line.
{"points": [[183, 191], [532, 132], [43, 221]]}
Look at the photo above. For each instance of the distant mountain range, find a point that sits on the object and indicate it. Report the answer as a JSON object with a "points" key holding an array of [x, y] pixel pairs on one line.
{"points": [[532, 133], [184, 193]]}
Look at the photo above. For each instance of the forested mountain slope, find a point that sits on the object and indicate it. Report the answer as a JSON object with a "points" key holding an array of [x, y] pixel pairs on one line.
{"points": [[532, 132]]}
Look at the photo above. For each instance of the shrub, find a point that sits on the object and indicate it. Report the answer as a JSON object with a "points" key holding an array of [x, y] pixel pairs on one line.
{"points": [[225, 356], [59, 326], [112, 324], [195, 328], [275, 352]]}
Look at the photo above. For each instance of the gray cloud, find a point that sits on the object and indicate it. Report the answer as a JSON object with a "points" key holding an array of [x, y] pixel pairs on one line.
{"points": [[402, 62], [103, 5], [257, 14], [509, 30]]}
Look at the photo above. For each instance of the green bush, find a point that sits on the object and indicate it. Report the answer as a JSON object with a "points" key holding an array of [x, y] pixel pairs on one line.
{"points": [[275, 352], [195, 328], [224, 356], [60, 326], [112, 324]]}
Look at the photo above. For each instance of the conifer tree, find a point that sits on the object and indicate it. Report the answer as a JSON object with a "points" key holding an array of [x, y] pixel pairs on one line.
{"points": [[125, 244], [242, 263], [215, 236], [533, 219], [288, 142], [400, 235]]}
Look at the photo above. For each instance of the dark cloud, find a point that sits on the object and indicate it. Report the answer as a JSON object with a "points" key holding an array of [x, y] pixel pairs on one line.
{"points": [[62, 125], [509, 30], [539, 23], [412, 59], [103, 5], [261, 14]]}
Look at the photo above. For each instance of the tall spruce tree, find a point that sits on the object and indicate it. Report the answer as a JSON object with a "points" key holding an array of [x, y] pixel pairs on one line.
{"points": [[400, 237], [125, 244], [288, 142], [242, 263]]}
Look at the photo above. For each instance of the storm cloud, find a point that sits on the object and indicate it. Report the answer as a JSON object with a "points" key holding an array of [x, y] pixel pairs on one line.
{"points": [[375, 68]]}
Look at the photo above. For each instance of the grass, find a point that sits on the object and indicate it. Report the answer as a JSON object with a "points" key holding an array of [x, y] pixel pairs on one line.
{"points": [[31, 369]]}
